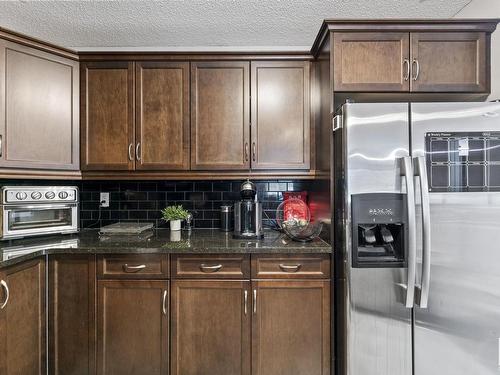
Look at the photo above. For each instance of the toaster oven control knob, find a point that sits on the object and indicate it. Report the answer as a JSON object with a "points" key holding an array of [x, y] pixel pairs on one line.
{"points": [[21, 195], [36, 195], [63, 195], [50, 195]]}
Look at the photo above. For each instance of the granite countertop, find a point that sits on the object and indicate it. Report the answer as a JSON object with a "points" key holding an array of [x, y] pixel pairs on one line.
{"points": [[204, 241]]}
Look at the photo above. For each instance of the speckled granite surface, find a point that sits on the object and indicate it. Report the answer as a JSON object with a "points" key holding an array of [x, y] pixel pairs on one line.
{"points": [[160, 241]]}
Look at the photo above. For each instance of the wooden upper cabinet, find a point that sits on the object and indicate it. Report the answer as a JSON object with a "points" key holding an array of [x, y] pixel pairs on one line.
{"points": [[220, 116], [449, 62], [132, 327], [280, 115], [39, 110], [210, 327], [162, 115], [22, 320], [371, 61], [291, 328], [107, 123]]}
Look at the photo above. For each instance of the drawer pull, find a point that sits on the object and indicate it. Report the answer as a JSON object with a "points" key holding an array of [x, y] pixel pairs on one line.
{"points": [[132, 269], [208, 269], [290, 268]]}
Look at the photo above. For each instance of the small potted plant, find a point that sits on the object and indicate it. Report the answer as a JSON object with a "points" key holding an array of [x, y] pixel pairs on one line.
{"points": [[174, 214]]}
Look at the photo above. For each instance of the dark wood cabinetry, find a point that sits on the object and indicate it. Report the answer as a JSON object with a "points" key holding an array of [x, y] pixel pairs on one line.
{"points": [[220, 115], [210, 327], [291, 328], [72, 296], [22, 319], [162, 115], [132, 327], [280, 129], [39, 109], [107, 123]]}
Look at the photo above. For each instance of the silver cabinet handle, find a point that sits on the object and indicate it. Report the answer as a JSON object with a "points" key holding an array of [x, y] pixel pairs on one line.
{"points": [[254, 151], [246, 151], [245, 302], [137, 151], [407, 172], [290, 268], [254, 301], [131, 269], [406, 68], [416, 64], [206, 268], [130, 157], [7, 294], [1, 145], [164, 302], [423, 290]]}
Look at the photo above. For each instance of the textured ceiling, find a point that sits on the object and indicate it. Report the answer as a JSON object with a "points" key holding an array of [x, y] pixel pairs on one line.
{"points": [[200, 24]]}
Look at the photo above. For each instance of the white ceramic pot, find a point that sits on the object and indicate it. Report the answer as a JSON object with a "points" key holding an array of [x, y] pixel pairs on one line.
{"points": [[175, 225]]}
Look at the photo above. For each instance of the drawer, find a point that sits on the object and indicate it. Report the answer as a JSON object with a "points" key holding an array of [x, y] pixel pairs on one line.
{"points": [[291, 266], [133, 266], [211, 266]]}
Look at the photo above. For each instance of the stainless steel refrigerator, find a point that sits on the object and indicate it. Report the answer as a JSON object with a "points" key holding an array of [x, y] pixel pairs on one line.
{"points": [[416, 191]]}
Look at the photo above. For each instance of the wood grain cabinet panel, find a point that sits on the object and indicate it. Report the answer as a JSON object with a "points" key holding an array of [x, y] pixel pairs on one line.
{"points": [[280, 115], [291, 328], [107, 123], [133, 266], [39, 109], [22, 320], [162, 115], [449, 62], [220, 116], [371, 61], [291, 266], [72, 296], [211, 266], [210, 327], [132, 327]]}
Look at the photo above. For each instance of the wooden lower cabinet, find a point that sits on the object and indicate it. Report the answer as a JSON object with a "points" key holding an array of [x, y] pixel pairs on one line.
{"points": [[132, 327], [72, 295], [22, 319], [291, 328], [210, 327]]}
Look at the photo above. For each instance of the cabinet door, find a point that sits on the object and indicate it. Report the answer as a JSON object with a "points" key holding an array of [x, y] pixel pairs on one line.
{"points": [[162, 115], [72, 291], [449, 62], [107, 123], [291, 328], [132, 327], [22, 320], [39, 110], [280, 115], [220, 116], [371, 61], [210, 328]]}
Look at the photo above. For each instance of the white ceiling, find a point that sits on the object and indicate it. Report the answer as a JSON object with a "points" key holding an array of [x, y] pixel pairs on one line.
{"points": [[200, 24]]}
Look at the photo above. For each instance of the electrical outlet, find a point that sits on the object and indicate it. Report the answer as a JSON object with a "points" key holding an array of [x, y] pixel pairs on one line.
{"points": [[104, 200]]}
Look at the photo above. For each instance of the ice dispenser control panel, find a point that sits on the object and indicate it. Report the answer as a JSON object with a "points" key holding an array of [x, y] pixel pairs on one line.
{"points": [[379, 225]]}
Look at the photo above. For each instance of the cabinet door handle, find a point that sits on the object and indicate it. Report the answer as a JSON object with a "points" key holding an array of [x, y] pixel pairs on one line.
{"points": [[254, 301], [246, 151], [1, 145], [132, 269], [416, 64], [130, 157], [209, 269], [137, 151], [254, 151], [406, 68], [290, 268], [7, 294], [164, 302], [245, 303]]}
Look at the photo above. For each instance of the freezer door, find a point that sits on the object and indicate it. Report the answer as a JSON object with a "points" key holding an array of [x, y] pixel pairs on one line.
{"points": [[375, 323], [458, 332]]}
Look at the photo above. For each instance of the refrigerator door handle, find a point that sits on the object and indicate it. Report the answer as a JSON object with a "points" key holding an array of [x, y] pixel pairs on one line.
{"points": [[407, 173], [423, 290]]}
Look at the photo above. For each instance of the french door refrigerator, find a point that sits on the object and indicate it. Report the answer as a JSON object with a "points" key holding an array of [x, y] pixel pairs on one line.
{"points": [[417, 238]]}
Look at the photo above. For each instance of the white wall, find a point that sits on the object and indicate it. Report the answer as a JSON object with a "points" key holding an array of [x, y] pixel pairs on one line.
{"points": [[488, 9]]}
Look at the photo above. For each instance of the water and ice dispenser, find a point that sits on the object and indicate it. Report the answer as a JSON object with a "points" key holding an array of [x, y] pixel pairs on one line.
{"points": [[379, 225]]}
